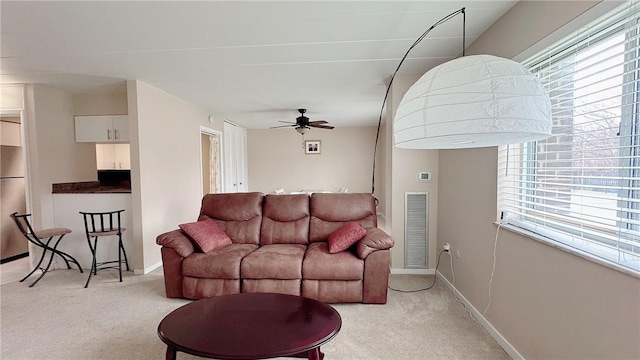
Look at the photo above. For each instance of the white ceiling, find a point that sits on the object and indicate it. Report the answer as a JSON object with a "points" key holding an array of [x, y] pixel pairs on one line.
{"points": [[253, 63]]}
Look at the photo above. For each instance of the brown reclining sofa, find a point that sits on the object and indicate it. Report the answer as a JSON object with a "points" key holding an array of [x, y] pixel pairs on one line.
{"points": [[279, 244]]}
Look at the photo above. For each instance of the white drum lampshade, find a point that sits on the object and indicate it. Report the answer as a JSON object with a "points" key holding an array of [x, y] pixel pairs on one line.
{"points": [[473, 101]]}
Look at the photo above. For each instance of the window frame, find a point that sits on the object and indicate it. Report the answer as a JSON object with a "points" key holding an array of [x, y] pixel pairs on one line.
{"points": [[630, 99]]}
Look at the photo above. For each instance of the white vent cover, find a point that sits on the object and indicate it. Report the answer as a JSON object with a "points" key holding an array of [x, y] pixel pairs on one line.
{"points": [[416, 229]]}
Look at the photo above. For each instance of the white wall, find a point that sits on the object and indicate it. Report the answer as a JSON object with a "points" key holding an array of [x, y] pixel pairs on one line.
{"points": [[100, 104], [405, 164], [166, 179], [165, 166], [277, 160], [383, 172], [546, 303], [54, 156]]}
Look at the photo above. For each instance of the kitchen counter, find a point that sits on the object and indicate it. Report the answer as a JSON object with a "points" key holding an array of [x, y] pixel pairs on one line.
{"points": [[90, 187], [67, 207]]}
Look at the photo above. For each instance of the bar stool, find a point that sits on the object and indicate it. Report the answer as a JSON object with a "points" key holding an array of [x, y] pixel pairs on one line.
{"points": [[37, 237], [104, 224]]}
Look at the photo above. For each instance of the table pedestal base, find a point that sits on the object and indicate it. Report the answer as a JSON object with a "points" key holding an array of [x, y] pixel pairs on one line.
{"points": [[314, 354]]}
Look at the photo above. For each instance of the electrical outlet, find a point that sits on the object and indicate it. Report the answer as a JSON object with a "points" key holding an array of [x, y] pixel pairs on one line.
{"points": [[447, 247], [504, 217]]}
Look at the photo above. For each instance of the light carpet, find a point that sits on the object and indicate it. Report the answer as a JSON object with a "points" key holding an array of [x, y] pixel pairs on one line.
{"points": [[59, 319]]}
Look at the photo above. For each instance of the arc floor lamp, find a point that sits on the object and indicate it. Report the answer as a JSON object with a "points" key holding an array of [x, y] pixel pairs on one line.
{"points": [[472, 101]]}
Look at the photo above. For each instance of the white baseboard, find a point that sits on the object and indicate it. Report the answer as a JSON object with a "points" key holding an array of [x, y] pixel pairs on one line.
{"points": [[147, 270], [483, 321], [413, 271]]}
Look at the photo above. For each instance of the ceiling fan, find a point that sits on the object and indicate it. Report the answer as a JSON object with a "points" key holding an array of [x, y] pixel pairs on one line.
{"points": [[302, 124]]}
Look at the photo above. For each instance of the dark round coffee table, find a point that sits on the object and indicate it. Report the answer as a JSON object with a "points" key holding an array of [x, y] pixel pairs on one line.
{"points": [[250, 326]]}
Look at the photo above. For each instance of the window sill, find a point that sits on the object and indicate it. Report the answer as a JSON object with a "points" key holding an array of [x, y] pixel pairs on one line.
{"points": [[569, 249]]}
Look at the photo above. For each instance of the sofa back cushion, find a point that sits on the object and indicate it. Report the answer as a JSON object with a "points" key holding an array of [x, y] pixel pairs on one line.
{"points": [[238, 214], [329, 211], [285, 220]]}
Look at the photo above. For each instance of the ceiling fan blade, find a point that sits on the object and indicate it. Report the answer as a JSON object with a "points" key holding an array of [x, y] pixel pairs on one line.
{"points": [[287, 122], [282, 126], [317, 122], [321, 126]]}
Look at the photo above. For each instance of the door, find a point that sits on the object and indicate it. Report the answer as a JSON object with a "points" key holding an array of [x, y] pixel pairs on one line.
{"points": [[94, 128], [235, 158], [211, 155], [121, 128], [230, 182], [241, 159]]}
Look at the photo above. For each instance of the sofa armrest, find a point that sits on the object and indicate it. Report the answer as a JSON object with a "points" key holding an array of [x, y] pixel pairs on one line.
{"points": [[178, 241], [374, 239], [376, 277]]}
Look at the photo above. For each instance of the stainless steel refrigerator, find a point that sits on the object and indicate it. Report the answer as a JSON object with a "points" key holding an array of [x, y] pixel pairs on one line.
{"points": [[12, 190]]}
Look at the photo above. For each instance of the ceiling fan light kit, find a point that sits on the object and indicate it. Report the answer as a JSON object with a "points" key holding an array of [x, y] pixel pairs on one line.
{"points": [[302, 124]]}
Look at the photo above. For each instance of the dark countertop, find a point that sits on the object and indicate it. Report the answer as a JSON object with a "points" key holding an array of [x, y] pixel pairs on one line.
{"points": [[90, 187]]}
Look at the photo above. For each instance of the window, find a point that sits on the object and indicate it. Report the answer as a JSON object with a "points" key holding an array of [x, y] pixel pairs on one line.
{"points": [[581, 187]]}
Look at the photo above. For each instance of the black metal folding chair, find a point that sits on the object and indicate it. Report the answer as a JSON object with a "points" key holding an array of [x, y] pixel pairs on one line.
{"points": [[50, 246], [104, 224]]}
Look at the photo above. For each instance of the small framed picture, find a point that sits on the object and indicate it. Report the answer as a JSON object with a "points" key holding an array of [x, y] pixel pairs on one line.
{"points": [[312, 147]]}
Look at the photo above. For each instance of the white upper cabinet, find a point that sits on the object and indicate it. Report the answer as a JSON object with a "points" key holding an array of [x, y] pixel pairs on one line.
{"points": [[102, 129], [121, 128], [113, 156], [10, 133]]}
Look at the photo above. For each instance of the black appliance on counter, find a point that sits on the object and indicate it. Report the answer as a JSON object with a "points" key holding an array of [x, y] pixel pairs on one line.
{"points": [[120, 178]]}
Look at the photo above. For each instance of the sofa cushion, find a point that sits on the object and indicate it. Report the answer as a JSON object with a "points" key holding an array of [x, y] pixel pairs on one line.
{"points": [[333, 291], [221, 263], [207, 234], [319, 264], [239, 214], [329, 211], [285, 220], [345, 236], [200, 288], [280, 286], [279, 261]]}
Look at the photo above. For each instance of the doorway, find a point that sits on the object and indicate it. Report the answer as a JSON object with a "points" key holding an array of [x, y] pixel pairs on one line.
{"points": [[211, 155]]}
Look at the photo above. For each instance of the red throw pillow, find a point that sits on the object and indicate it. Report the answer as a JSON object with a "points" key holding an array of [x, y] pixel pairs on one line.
{"points": [[347, 235], [207, 234]]}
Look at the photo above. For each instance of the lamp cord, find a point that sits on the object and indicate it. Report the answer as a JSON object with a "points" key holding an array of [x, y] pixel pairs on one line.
{"points": [[435, 274], [493, 270], [384, 101]]}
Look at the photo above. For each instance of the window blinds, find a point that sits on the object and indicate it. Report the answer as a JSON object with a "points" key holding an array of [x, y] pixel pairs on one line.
{"points": [[581, 187]]}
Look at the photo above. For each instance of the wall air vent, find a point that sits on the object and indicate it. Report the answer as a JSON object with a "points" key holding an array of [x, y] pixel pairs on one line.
{"points": [[416, 229]]}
